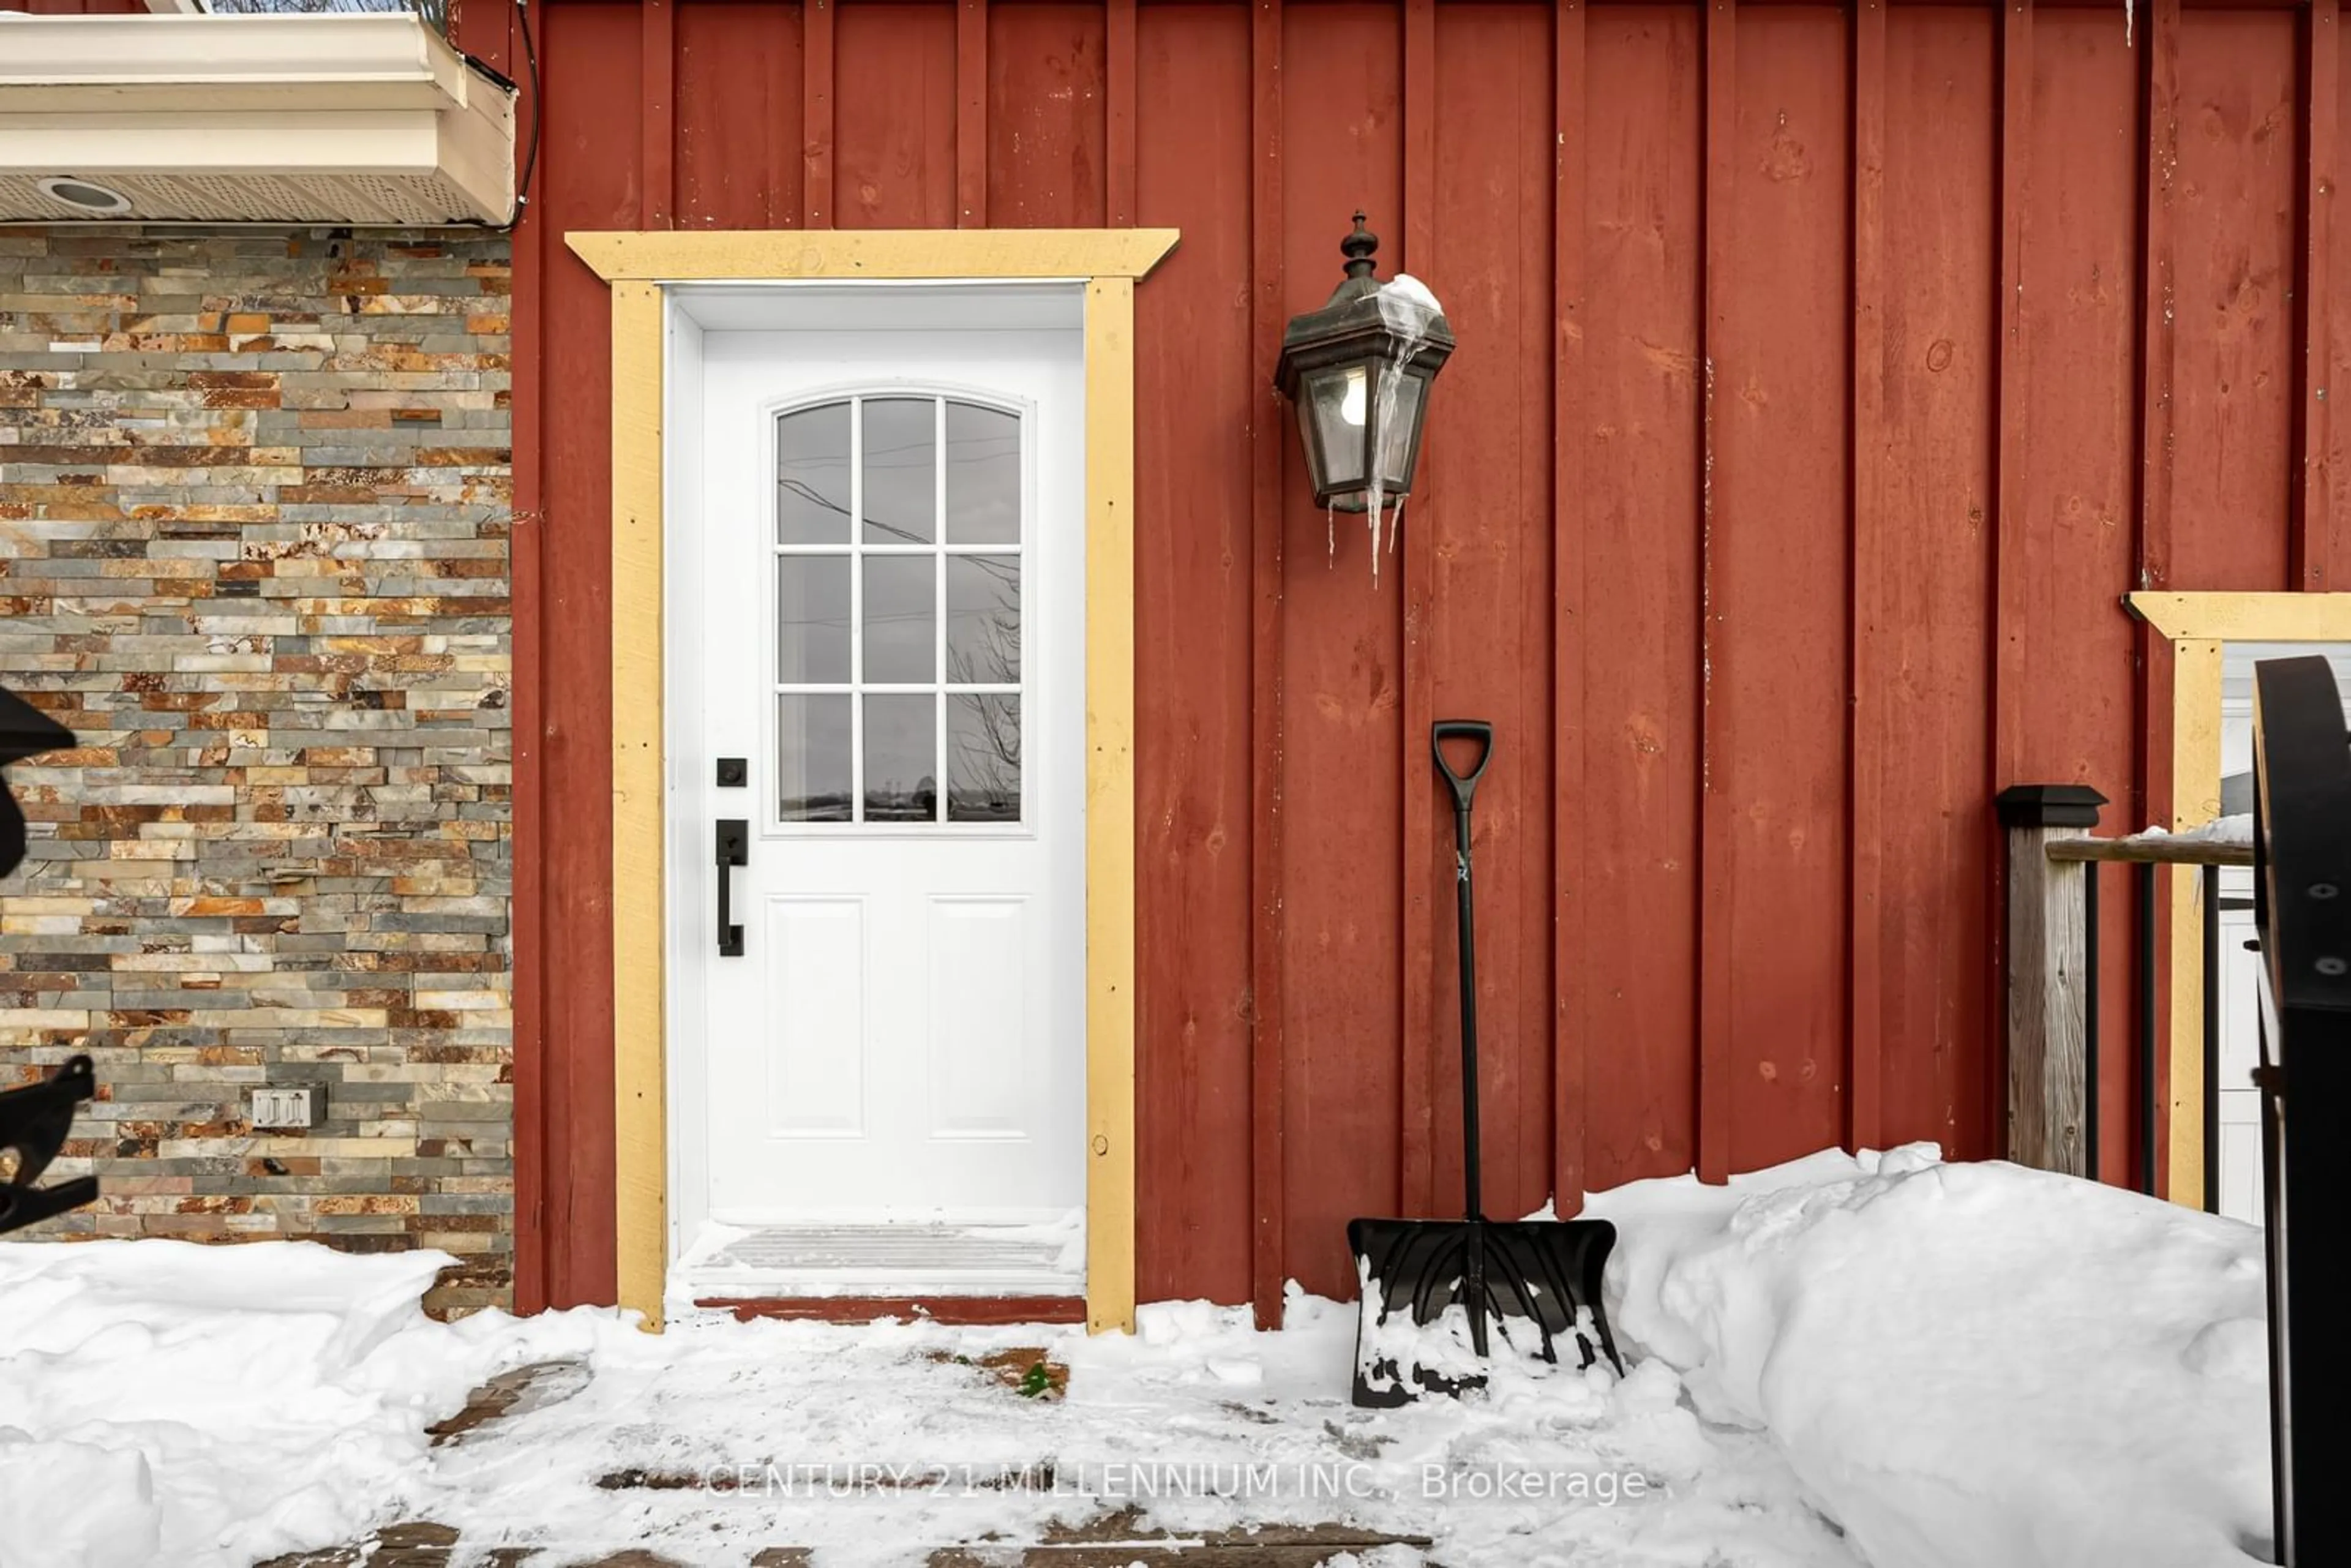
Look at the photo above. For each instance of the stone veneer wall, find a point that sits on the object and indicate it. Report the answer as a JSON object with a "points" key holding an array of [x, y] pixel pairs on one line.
{"points": [[255, 493]]}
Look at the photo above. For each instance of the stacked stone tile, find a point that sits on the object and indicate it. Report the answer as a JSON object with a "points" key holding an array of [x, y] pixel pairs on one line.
{"points": [[255, 493]]}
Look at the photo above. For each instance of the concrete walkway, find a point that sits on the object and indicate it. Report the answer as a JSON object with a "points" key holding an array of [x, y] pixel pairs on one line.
{"points": [[1113, 1541]]}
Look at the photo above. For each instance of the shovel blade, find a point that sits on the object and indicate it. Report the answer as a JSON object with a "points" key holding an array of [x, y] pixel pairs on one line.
{"points": [[1540, 1276]]}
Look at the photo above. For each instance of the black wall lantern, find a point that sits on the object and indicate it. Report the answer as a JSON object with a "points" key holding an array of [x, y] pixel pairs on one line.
{"points": [[1359, 370]]}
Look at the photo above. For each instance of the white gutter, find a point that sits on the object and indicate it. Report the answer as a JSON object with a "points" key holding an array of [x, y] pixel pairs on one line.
{"points": [[197, 61], [341, 118]]}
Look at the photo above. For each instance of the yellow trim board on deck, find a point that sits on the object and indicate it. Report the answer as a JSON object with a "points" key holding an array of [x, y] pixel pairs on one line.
{"points": [[1108, 262], [2197, 625]]}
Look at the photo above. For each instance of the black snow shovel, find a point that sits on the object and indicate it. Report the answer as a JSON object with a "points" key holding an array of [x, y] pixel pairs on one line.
{"points": [[1538, 1275]]}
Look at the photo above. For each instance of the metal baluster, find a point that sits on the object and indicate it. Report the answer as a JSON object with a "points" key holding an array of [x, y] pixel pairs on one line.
{"points": [[2147, 1027], [2212, 879], [2090, 1020]]}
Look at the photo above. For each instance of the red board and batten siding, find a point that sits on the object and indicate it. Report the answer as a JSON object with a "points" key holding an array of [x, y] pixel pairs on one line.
{"points": [[1827, 375]]}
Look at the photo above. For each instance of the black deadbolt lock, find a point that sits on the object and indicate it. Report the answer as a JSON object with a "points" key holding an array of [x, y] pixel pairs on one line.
{"points": [[734, 772]]}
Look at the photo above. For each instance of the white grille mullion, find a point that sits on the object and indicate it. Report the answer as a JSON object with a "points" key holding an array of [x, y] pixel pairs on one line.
{"points": [[856, 610], [939, 602], [1027, 577]]}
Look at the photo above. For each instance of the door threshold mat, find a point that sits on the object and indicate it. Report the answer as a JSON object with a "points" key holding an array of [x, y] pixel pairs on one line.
{"points": [[981, 1311]]}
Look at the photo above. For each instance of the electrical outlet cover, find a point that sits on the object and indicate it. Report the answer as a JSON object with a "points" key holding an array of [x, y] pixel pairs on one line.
{"points": [[284, 1108]]}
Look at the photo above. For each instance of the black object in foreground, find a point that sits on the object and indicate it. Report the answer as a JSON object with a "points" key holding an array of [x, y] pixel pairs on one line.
{"points": [[25, 731], [34, 1122], [1544, 1274], [2302, 907]]}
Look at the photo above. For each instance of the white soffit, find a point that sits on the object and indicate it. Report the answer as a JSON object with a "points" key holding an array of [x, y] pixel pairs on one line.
{"points": [[355, 118]]}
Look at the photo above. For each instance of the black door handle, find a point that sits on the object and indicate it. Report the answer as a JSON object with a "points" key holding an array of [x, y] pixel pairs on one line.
{"points": [[733, 849]]}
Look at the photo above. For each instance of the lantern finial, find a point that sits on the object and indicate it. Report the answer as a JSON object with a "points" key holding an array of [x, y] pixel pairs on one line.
{"points": [[1358, 248]]}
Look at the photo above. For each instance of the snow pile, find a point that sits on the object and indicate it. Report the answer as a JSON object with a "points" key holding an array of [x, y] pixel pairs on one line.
{"points": [[165, 1402], [1969, 1365]]}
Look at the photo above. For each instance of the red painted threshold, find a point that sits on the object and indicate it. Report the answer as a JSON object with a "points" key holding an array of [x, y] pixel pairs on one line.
{"points": [[975, 1311]]}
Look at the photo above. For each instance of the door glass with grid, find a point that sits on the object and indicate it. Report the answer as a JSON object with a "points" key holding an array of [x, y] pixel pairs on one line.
{"points": [[899, 554]]}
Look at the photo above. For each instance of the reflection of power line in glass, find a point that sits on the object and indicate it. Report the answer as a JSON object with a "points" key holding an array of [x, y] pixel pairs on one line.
{"points": [[840, 459], [981, 462]]}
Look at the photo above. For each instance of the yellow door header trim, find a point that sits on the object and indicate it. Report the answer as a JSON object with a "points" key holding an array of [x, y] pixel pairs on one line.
{"points": [[767, 255]]}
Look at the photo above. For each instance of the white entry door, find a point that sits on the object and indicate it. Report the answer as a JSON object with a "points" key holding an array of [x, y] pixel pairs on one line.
{"points": [[890, 662]]}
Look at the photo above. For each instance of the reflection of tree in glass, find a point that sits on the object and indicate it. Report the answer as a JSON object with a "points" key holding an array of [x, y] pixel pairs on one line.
{"points": [[892, 801], [986, 768], [985, 771], [983, 643]]}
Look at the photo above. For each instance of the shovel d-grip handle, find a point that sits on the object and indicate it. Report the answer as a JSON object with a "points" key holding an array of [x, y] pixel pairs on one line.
{"points": [[1465, 784]]}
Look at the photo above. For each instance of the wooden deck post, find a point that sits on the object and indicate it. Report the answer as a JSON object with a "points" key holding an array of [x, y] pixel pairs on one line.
{"points": [[2047, 985]]}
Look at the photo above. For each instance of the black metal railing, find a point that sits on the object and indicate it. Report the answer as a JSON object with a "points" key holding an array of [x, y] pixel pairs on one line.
{"points": [[2302, 909], [2150, 857]]}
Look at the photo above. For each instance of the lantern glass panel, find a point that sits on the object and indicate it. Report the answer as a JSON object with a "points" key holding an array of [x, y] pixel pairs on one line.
{"points": [[1336, 406], [1399, 427]]}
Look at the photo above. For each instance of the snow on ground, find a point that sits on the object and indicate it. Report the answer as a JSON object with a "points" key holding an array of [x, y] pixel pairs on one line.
{"points": [[1967, 1366], [162, 1401]]}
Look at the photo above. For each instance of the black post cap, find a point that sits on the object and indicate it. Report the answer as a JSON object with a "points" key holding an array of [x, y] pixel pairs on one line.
{"points": [[2049, 806]]}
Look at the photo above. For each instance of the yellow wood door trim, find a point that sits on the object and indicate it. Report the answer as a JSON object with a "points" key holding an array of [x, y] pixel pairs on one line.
{"points": [[1108, 262], [737, 255], [2197, 625], [640, 905], [1110, 802]]}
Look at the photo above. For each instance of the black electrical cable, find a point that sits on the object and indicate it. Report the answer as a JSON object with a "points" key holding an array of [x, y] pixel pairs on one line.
{"points": [[530, 152], [530, 156]]}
